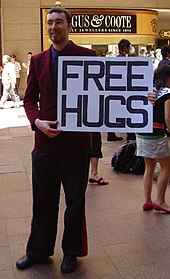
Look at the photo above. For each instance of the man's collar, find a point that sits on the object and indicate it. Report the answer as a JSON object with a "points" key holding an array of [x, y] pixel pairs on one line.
{"points": [[55, 51]]}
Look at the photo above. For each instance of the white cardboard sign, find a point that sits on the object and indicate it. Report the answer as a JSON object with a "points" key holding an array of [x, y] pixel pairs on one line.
{"points": [[106, 94]]}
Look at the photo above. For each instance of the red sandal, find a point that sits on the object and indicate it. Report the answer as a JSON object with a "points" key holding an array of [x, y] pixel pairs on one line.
{"points": [[160, 208], [148, 206], [99, 181]]}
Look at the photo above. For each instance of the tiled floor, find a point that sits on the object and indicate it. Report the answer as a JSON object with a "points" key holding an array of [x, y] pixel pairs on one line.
{"points": [[124, 241]]}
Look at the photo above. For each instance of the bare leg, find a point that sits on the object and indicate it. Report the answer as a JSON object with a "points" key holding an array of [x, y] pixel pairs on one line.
{"points": [[148, 178], [94, 177], [94, 162], [162, 182]]}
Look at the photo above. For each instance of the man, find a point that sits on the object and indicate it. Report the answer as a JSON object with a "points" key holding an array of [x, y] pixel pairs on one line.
{"points": [[58, 157], [17, 73], [158, 58], [27, 65], [124, 49], [8, 82], [165, 51]]}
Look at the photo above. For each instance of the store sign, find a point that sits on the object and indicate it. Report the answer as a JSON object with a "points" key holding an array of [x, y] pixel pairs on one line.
{"points": [[103, 23], [164, 33], [104, 94]]}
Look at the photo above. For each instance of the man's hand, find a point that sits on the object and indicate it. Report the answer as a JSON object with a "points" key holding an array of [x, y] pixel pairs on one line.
{"points": [[152, 96], [46, 127]]}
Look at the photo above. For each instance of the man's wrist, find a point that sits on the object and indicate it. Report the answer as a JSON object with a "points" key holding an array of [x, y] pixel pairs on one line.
{"points": [[36, 122]]}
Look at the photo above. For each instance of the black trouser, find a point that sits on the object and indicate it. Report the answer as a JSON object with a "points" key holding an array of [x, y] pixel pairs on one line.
{"points": [[49, 171], [96, 150]]}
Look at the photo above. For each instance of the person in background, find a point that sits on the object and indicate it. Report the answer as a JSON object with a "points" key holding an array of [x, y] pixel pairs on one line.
{"points": [[158, 58], [95, 155], [143, 52], [1, 87], [124, 47], [17, 72], [165, 51], [27, 65], [154, 147], [58, 157], [9, 82]]}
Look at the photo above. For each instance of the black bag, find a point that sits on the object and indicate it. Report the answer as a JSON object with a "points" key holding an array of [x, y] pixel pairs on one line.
{"points": [[138, 165], [123, 158]]}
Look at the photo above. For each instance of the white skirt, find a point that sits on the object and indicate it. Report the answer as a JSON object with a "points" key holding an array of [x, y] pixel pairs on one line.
{"points": [[153, 148]]}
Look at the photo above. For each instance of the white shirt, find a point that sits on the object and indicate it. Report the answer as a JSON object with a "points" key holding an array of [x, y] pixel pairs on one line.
{"points": [[8, 74]]}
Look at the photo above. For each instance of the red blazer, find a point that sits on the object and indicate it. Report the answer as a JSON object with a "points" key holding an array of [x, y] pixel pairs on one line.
{"points": [[40, 102]]}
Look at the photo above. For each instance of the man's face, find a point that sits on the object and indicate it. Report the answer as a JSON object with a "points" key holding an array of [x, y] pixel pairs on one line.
{"points": [[58, 28], [127, 50], [29, 56], [12, 59]]}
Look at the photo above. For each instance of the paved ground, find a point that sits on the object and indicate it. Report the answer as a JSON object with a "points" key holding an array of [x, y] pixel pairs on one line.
{"points": [[124, 241]]}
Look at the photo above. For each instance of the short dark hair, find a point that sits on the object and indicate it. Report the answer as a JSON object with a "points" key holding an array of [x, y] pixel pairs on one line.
{"points": [[61, 10], [13, 56], [122, 44], [29, 52], [160, 76], [164, 50]]}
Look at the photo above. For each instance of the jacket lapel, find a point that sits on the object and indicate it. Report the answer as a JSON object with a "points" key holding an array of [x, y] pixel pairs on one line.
{"points": [[47, 73]]}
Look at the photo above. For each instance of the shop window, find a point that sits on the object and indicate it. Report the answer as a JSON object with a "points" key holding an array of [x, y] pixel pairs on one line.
{"points": [[162, 42], [101, 50]]}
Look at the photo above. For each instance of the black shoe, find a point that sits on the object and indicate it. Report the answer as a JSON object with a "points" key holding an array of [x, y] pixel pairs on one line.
{"points": [[115, 139], [26, 262], [69, 264]]}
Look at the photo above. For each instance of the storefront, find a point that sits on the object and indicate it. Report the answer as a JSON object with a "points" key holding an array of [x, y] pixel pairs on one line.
{"points": [[23, 26], [164, 38], [102, 29]]}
